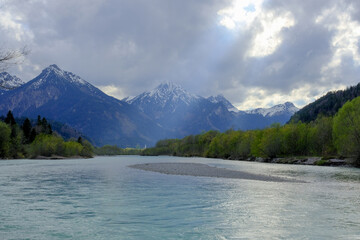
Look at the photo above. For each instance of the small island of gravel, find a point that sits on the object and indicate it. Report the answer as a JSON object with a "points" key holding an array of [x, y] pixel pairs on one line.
{"points": [[203, 170]]}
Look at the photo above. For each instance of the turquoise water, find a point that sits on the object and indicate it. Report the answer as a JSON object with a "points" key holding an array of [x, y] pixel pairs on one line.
{"points": [[102, 198]]}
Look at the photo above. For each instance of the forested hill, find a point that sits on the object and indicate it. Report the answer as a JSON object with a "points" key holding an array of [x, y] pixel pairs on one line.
{"points": [[327, 105]]}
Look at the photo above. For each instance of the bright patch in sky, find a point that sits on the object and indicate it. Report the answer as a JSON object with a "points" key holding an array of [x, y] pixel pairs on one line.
{"points": [[240, 14], [112, 90], [269, 38], [249, 15], [263, 98]]}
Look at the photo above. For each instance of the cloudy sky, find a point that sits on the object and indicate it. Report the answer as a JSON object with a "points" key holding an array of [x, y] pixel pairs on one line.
{"points": [[256, 53]]}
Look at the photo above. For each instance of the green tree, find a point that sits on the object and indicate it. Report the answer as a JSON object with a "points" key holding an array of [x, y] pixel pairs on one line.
{"points": [[295, 139], [10, 119], [32, 135], [256, 148], [5, 132], [87, 150], [26, 127], [16, 147], [347, 129], [72, 149], [272, 141], [244, 147], [320, 137], [39, 122], [47, 145]]}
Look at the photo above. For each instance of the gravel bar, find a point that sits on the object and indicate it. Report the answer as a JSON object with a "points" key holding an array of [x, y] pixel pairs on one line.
{"points": [[203, 170]]}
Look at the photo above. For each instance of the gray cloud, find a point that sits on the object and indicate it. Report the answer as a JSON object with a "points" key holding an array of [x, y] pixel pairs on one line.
{"points": [[132, 46]]}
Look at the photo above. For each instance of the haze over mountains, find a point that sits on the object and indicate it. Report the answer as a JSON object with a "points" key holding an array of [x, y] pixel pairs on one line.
{"points": [[168, 111]]}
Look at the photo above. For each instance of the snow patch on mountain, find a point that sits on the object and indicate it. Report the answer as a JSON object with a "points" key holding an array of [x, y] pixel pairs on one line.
{"points": [[9, 82], [286, 108]]}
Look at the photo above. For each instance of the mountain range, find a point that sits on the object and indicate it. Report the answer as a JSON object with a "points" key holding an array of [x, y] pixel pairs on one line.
{"points": [[168, 111]]}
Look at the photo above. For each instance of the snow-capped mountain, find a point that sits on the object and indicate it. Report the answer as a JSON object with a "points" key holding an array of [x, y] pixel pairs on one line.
{"points": [[53, 75], [165, 95], [221, 99], [181, 113], [52, 71], [62, 96], [280, 109], [9, 82], [168, 111]]}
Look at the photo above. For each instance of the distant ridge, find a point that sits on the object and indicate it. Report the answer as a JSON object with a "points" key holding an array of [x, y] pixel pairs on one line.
{"points": [[286, 108], [327, 105]]}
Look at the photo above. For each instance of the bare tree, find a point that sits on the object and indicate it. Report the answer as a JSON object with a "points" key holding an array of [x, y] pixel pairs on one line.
{"points": [[12, 57]]}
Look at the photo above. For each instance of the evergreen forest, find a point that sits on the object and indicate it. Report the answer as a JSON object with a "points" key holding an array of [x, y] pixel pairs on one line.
{"points": [[327, 105], [28, 141]]}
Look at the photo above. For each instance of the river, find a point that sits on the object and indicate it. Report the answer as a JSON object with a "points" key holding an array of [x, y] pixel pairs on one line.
{"points": [[102, 198]]}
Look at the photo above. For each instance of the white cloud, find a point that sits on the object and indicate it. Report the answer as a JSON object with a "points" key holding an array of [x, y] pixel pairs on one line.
{"points": [[274, 67], [123, 47], [13, 25], [269, 38], [113, 90], [249, 15], [345, 41]]}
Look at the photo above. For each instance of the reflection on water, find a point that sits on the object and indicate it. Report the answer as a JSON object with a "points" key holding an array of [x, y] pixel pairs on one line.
{"points": [[102, 198]]}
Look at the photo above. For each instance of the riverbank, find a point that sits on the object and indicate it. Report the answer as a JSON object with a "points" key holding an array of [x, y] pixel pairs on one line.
{"points": [[317, 161]]}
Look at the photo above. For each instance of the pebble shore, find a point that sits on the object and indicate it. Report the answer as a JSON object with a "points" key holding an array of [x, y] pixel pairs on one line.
{"points": [[203, 170]]}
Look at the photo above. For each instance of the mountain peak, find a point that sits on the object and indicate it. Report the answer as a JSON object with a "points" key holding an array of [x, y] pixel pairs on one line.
{"points": [[289, 104], [9, 82], [54, 66], [164, 94], [168, 88], [54, 69], [221, 99], [53, 73]]}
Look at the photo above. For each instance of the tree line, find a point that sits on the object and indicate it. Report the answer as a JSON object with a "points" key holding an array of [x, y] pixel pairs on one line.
{"points": [[113, 150], [28, 141], [326, 136]]}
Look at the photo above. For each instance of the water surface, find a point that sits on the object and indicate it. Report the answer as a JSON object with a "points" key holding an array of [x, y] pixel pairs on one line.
{"points": [[102, 198]]}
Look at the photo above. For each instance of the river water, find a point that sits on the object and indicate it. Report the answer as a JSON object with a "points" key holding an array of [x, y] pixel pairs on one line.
{"points": [[102, 198]]}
